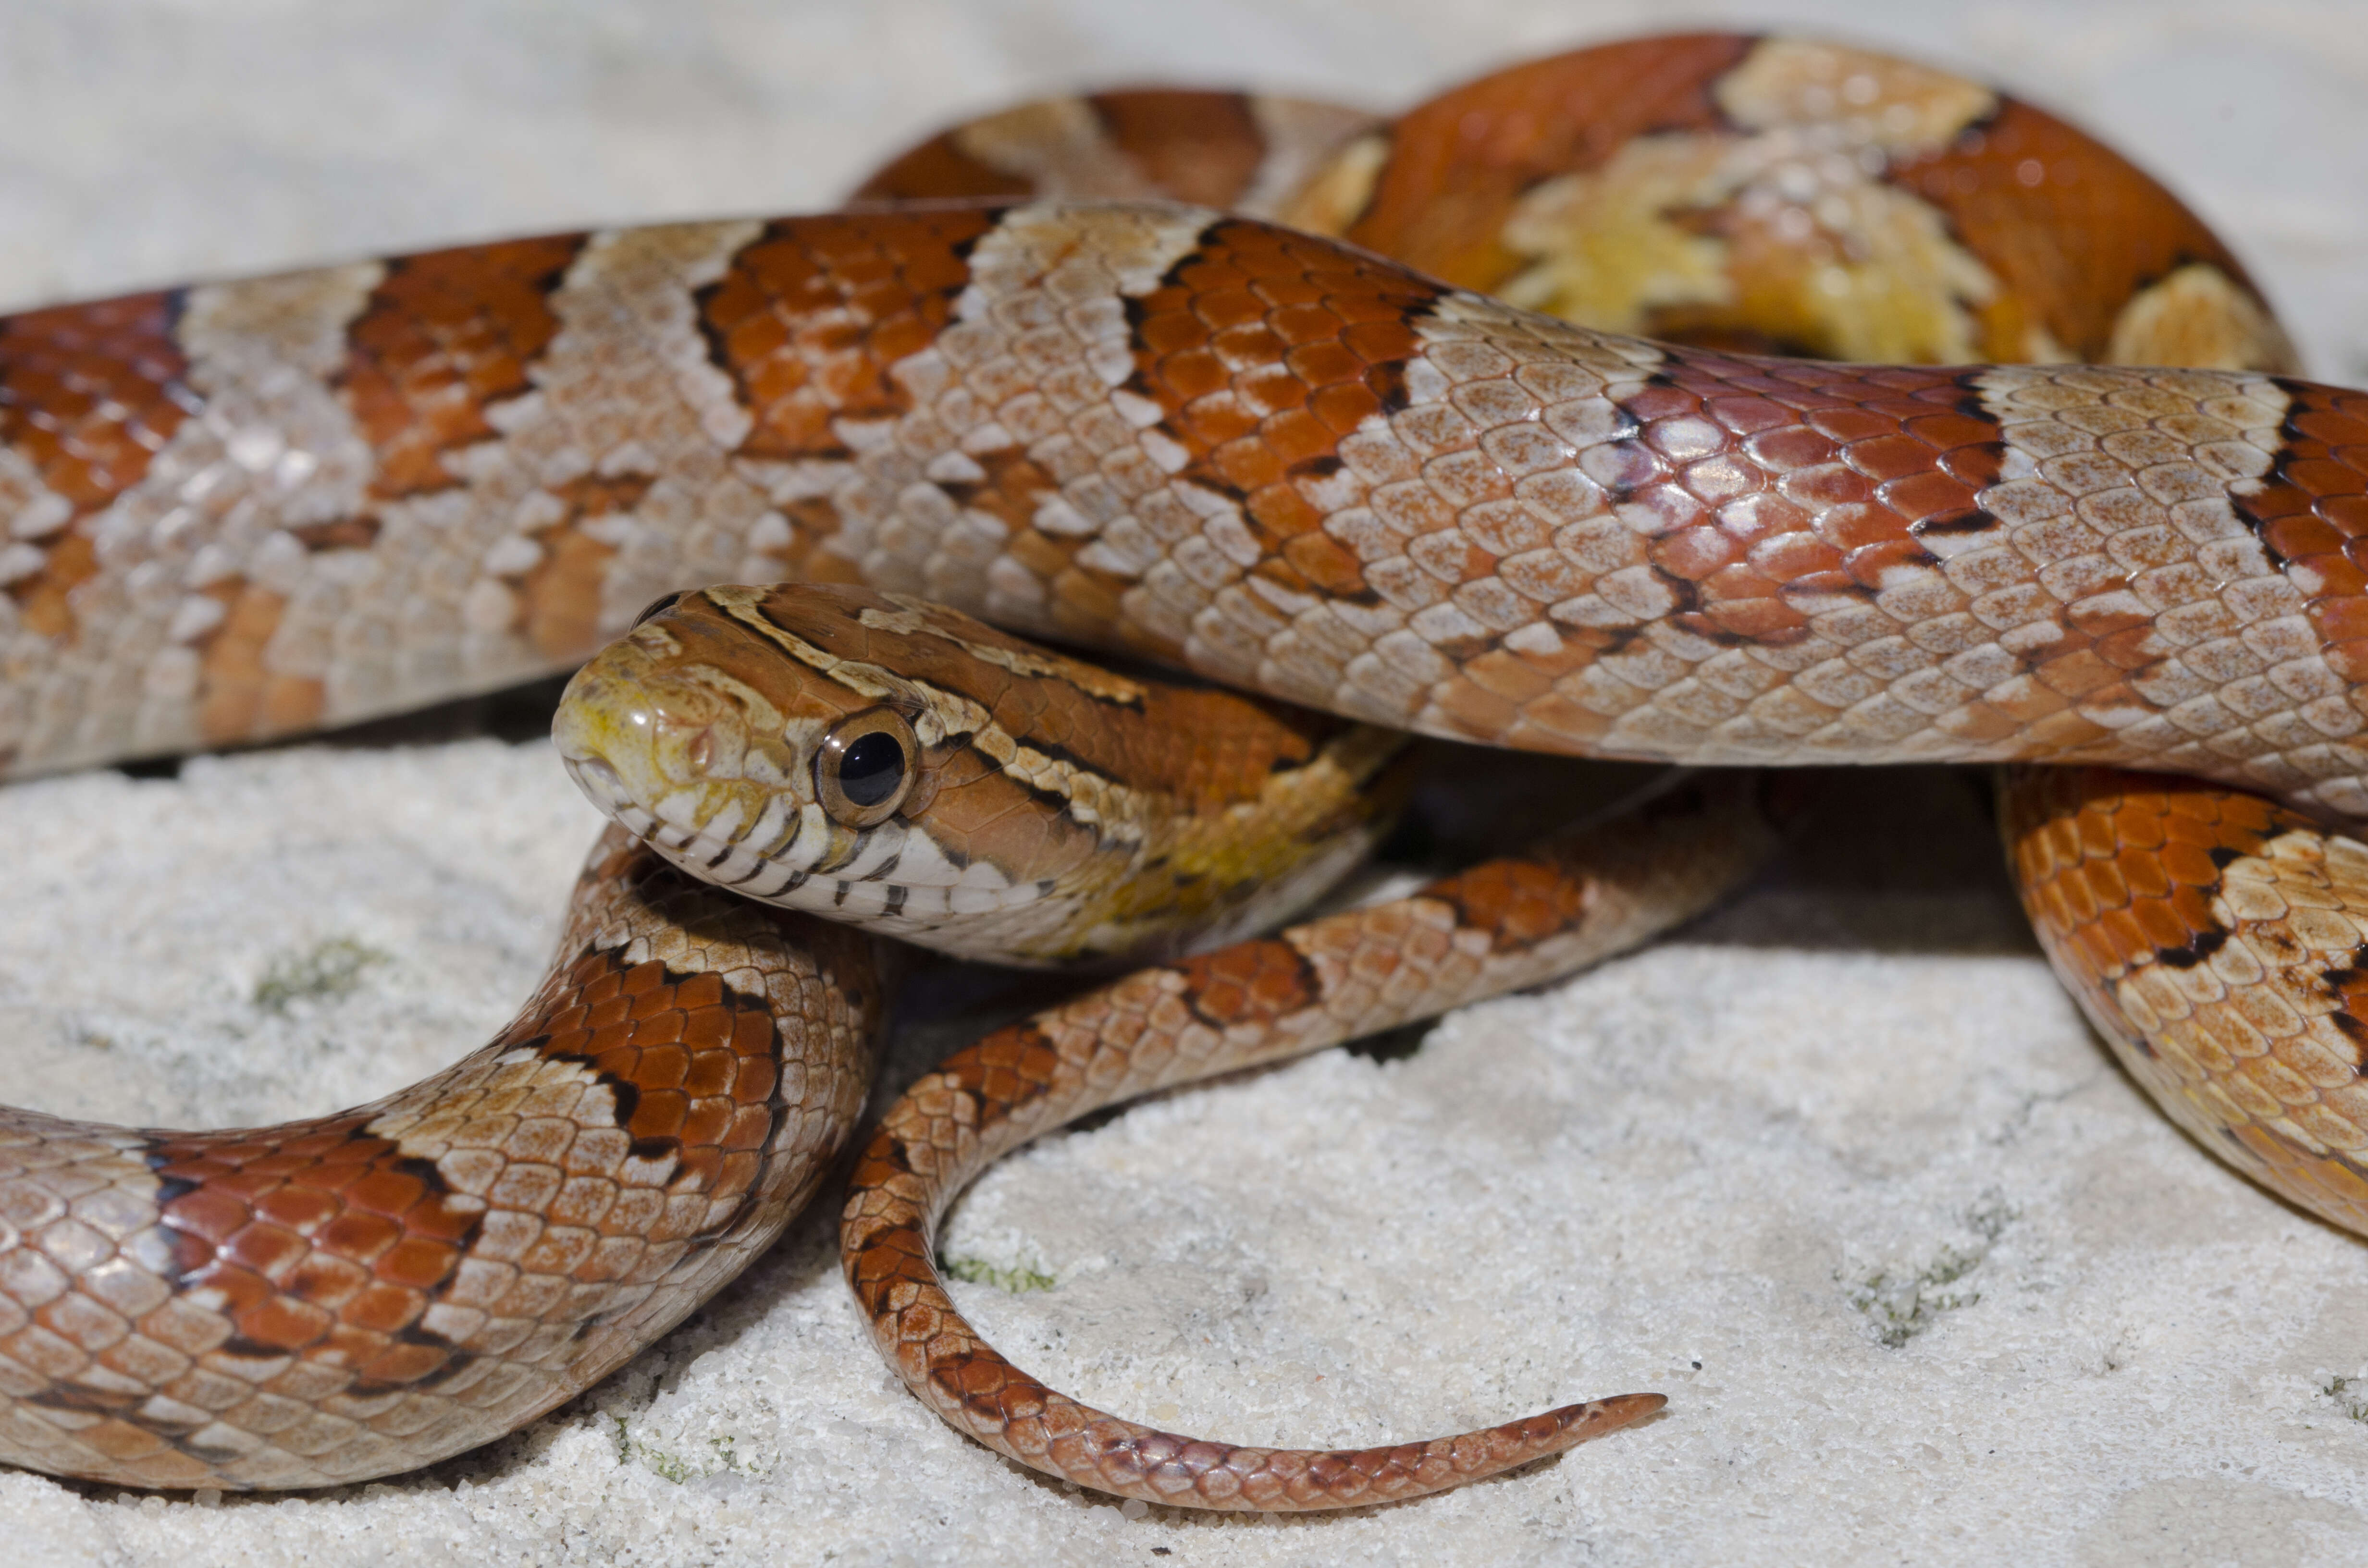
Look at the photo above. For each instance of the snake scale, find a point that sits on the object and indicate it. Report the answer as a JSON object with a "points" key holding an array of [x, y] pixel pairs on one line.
{"points": [[1479, 423]]}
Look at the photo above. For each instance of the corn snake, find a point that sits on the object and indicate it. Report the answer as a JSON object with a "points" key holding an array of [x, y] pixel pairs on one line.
{"points": [[591, 505]]}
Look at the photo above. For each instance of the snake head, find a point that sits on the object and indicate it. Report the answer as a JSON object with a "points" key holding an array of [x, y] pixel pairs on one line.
{"points": [[828, 749], [897, 765]]}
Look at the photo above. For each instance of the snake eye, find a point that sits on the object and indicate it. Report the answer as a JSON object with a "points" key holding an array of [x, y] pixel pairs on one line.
{"points": [[864, 769], [658, 606]]}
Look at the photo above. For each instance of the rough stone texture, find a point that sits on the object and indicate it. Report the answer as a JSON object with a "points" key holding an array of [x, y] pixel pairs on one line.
{"points": [[1956, 1291]]}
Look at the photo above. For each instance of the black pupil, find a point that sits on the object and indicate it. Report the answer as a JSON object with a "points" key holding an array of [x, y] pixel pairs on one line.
{"points": [[871, 768]]}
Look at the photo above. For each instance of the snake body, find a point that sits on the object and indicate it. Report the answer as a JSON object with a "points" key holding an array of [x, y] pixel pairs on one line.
{"points": [[330, 1299], [241, 510]]}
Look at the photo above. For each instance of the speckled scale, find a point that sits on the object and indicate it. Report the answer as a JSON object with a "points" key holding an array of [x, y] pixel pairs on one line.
{"points": [[332, 1300], [2215, 941], [1278, 462]]}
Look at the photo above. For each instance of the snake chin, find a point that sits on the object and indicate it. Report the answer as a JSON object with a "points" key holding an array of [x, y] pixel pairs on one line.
{"points": [[894, 882], [599, 783]]}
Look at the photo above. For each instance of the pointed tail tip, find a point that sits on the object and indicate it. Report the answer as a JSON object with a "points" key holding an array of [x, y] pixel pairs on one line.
{"points": [[1597, 1416]]}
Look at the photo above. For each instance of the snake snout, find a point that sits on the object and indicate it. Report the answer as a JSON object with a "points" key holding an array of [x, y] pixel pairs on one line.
{"points": [[654, 728], [668, 753]]}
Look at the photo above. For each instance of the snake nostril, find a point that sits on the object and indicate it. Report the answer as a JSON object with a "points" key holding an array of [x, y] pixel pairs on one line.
{"points": [[658, 607]]}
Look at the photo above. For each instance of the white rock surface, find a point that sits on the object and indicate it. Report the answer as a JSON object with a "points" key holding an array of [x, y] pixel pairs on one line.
{"points": [[1841, 1170]]}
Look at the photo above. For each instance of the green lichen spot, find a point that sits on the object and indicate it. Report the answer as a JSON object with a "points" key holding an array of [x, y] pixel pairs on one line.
{"points": [[1010, 1282], [1901, 1305], [2349, 1395], [674, 1467], [321, 973]]}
